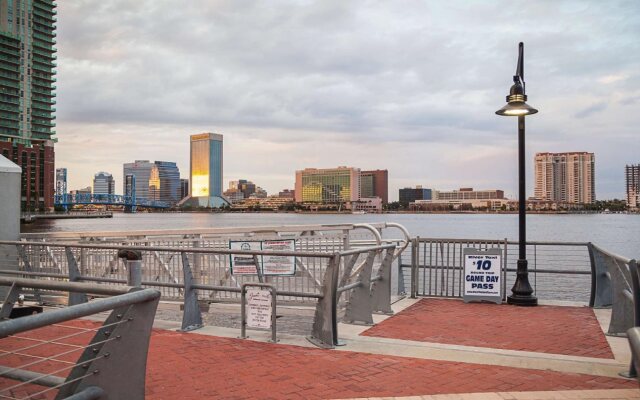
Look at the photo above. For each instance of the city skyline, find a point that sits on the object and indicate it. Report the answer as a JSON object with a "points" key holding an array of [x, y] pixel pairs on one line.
{"points": [[330, 95]]}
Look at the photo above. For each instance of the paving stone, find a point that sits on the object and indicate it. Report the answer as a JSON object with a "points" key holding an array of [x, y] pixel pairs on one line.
{"points": [[563, 330]]}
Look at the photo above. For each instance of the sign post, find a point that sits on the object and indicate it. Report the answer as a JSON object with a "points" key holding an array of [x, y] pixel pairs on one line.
{"points": [[482, 277], [258, 308]]}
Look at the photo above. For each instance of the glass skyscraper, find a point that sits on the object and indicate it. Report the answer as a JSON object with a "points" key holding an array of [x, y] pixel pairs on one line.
{"points": [[103, 183], [27, 98], [168, 182], [205, 188]]}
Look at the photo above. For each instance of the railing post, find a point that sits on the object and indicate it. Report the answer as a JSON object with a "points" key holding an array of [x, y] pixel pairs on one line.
{"points": [[601, 289], [134, 266], [191, 315], [12, 296], [74, 276], [359, 308], [325, 322], [401, 288], [415, 250], [27, 267], [635, 285], [381, 287]]}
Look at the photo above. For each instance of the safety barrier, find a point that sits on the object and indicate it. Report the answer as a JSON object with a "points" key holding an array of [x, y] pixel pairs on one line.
{"points": [[99, 361], [349, 281]]}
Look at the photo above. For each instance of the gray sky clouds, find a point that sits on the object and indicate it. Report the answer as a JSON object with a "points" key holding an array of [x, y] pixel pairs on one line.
{"points": [[407, 86]]}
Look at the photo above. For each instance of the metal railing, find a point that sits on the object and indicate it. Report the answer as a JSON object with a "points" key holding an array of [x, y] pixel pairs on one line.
{"points": [[48, 352], [354, 282]]}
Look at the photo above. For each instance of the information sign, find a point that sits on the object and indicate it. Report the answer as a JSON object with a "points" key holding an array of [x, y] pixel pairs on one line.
{"points": [[259, 308], [482, 275], [244, 264], [279, 265]]}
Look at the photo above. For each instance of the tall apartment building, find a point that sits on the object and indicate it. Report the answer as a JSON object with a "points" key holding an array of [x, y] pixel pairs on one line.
{"points": [[632, 179], [565, 177], [331, 185], [375, 183], [410, 195], [27, 76], [103, 183]]}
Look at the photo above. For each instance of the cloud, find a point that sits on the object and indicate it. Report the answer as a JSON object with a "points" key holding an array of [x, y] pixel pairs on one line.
{"points": [[135, 77]]}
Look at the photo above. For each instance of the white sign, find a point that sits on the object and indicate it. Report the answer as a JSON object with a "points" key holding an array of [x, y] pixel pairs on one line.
{"points": [[245, 264], [279, 265], [259, 308], [482, 277]]}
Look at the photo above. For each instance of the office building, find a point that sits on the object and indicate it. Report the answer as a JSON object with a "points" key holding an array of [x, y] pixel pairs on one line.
{"points": [[468, 194], [184, 188], [565, 177], [410, 195], [27, 76], [287, 194], [61, 181], [375, 183], [205, 163], [103, 183], [632, 179], [142, 170], [332, 185], [165, 179]]}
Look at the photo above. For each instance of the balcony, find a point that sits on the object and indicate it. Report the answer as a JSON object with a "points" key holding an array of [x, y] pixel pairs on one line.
{"points": [[42, 123], [7, 124], [13, 109], [42, 99], [9, 101], [12, 60], [48, 116], [48, 53], [43, 107], [44, 38], [44, 61], [40, 91], [10, 117], [10, 83], [40, 27], [47, 78], [39, 68]]}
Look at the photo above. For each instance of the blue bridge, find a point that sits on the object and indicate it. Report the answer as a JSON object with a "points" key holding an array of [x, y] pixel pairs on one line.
{"points": [[130, 203]]}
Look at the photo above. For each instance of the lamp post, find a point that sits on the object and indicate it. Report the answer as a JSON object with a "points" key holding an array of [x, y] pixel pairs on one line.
{"points": [[522, 293]]}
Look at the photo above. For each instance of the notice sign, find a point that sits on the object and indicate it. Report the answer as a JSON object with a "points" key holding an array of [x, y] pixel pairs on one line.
{"points": [[245, 264], [279, 265], [482, 275], [259, 308]]}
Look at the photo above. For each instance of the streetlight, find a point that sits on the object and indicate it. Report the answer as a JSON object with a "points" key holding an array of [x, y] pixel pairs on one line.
{"points": [[522, 293]]}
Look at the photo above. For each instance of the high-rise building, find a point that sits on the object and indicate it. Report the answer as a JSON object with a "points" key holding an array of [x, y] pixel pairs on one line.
{"points": [[205, 186], [184, 188], [206, 164], [103, 183], [27, 75], [331, 185], [167, 182], [410, 195], [375, 184], [565, 177], [632, 179], [142, 170], [468, 194], [61, 181]]}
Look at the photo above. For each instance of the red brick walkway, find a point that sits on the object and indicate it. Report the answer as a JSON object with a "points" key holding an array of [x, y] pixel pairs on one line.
{"points": [[545, 329], [192, 366]]}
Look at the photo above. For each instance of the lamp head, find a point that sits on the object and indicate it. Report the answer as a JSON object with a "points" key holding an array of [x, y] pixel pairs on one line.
{"points": [[516, 100]]}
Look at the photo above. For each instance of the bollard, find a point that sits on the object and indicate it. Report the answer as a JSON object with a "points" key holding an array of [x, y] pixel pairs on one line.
{"points": [[134, 266]]}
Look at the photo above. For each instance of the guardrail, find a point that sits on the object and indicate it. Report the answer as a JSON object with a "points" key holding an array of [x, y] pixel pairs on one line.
{"points": [[358, 281], [110, 359]]}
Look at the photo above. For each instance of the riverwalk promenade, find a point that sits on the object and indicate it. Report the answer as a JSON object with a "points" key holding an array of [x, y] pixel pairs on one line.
{"points": [[430, 349]]}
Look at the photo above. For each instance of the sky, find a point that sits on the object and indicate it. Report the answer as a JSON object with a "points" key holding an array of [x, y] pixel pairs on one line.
{"points": [[408, 86]]}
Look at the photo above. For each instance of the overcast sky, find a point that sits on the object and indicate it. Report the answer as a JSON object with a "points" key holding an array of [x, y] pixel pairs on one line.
{"points": [[408, 86]]}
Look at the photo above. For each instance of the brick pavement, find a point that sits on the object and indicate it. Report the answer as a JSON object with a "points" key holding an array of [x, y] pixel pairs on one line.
{"points": [[546, 329]]}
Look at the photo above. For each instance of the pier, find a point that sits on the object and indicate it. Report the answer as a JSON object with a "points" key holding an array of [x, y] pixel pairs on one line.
{"points": [[361, 311]]}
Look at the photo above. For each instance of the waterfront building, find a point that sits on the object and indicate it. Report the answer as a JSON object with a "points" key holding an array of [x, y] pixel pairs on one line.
{"points": [[632, 179], [565, 177], [206, 162], [287, 194], [326, 186], [375, 183], [184, 188], [165, 180], [369, 205], [468, 194], [103, 183], [86, 190], [27, 76], [61, 181], [410, 195], [141, 169]]}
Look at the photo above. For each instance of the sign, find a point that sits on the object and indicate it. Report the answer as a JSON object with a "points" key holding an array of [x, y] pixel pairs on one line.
{"points": [[245, 264], [259, 308], [482, 275], [279, 265]]}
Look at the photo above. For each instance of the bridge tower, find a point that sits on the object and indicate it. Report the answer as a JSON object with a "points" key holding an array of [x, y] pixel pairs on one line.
{"points": [[130, 193]]}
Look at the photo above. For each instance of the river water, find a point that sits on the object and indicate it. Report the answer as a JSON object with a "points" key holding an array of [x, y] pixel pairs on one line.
{"points": [[618, 233]]}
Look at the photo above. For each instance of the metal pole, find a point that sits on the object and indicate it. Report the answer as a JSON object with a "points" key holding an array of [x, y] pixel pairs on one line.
{"points": [[522, 293]]}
